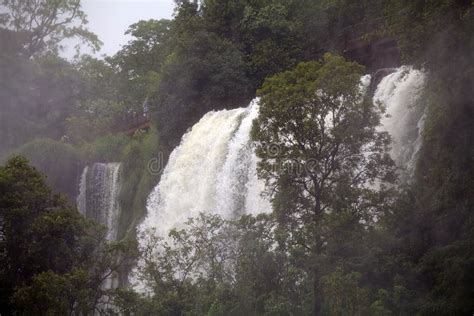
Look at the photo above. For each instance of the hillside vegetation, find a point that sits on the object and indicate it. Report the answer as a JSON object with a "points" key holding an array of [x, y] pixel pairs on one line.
{"points": [[321, 251]]}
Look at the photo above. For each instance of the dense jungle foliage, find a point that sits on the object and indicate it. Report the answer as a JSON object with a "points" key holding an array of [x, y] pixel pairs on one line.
{"points": [[417, 258]]}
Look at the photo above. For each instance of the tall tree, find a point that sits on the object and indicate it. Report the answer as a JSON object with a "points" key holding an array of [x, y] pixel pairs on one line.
{"points": [[45, 23], [324, 160], [148, 49], [138, 64]]}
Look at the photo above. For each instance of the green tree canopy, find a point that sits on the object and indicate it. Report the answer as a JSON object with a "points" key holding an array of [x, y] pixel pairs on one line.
{"points": [[44, 24], [324, 159], [52, 260]]}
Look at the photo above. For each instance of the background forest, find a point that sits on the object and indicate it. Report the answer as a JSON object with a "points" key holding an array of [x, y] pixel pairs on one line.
{"points": [[417, 258]]}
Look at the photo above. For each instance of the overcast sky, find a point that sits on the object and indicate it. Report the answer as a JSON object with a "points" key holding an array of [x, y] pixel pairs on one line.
{"points": [[109, 19]]}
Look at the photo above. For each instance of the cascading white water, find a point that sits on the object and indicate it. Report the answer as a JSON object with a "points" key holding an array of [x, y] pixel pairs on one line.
{"points": [[98, 200], [400, 93], [98, 194], [213, 170], [81, 198]]}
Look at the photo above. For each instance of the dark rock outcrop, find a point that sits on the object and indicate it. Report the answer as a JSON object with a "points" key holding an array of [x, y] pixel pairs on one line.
{"points": [[382, 53]]}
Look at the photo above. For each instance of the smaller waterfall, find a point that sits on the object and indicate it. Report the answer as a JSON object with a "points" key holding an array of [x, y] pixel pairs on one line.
{"points": [[81, 198], [98, 195], [400, 93], [98, 200]]}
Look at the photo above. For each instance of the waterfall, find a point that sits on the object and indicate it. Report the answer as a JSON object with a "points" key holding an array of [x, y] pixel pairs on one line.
{"points": [[81, 198], [213, 170], [400, 93], [98, 200], [98, 195]]}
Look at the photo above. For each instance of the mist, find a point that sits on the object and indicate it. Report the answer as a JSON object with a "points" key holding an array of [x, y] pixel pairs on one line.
{"points": [[222, 157]]}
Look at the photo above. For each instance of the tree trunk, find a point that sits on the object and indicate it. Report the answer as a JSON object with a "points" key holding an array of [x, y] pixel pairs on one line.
{"points": [[317, 297], [318, 214]]}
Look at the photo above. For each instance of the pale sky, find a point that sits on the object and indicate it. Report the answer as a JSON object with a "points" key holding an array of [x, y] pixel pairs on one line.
{"points": [[109, 19]]}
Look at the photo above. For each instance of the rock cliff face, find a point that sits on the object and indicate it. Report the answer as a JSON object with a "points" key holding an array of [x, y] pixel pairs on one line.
{"points": [[381, 53]]}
